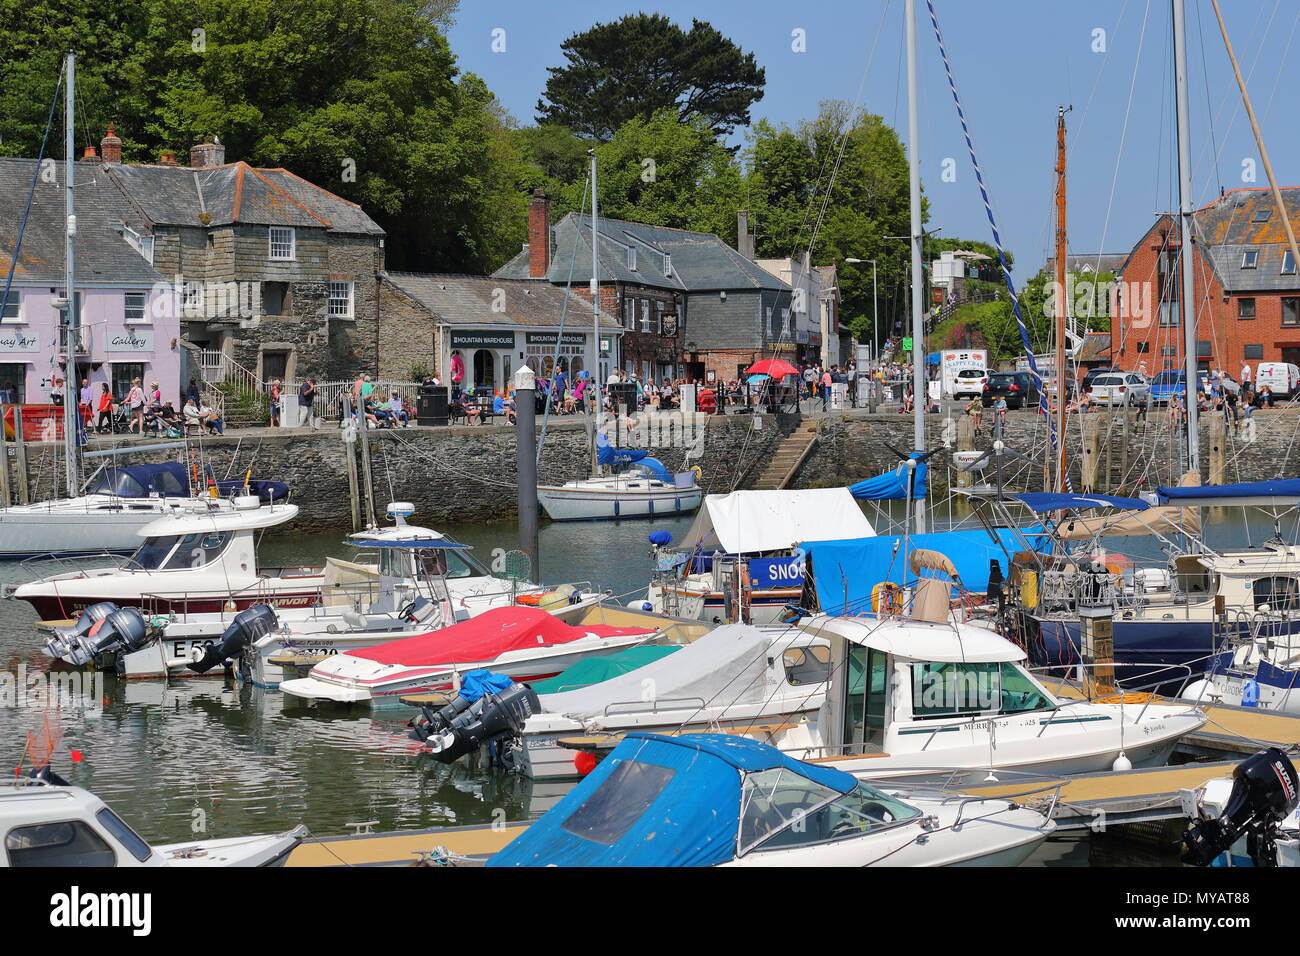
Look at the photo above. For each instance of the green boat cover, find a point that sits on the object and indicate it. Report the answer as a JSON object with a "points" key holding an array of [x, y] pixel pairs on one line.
{"points": [[593, 670]]}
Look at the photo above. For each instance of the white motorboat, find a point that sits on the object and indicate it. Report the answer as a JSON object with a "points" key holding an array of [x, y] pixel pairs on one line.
{"points": [[746, 678], [643, 489], [717, 800], [106, 519], [44, 821], [740, 560], [523, 643], [187, 562], [926, 690]]}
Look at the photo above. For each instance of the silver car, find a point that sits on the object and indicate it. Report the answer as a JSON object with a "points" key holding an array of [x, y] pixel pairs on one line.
{"points": [[1121, 388]]}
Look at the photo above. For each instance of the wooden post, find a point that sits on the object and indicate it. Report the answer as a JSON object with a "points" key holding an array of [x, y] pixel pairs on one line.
{"points": [[965, 442], [350, 458], [1091, 452], [1123, 448], [20, 458], [1106, 483], [363, 429], [1218, 448]]}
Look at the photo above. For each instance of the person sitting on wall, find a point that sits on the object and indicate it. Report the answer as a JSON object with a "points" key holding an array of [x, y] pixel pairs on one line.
{"points": [[398, 409], [377, 416], [211, 420]]}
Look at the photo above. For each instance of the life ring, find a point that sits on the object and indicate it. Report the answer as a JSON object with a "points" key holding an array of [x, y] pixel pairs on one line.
{"points": [[698, 472], [886, 598], [531, 600]]}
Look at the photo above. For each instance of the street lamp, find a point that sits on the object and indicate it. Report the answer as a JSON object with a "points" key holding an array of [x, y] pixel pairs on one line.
{"points": [[875, 310]]}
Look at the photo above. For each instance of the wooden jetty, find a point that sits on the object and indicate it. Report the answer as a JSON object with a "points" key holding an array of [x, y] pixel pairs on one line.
{"points": [[404, 849]]}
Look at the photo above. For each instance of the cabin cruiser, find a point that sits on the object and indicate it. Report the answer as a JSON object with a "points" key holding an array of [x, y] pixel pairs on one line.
{"points": [[915, 687], [1167, 623], [117, 503], [716, 800], [637, 487], [421, 581], [186, 562], [740, 560], [763, 680], [45, 821], [523, 643]]}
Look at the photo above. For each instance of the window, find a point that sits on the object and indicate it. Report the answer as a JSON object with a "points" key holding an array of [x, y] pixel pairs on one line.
{"points": [[275, 298], [141, 243], [668, 266], [13, 382], [950, 689], [118, 827], [1246, 307], [281, 243], [123, 373], [1144, 348], [859, 811], [1288, 263], [70, 843], [1262, 215], [659, 317], [1169, 314], [1290, 310], [196, 550], [341, 299], [645, 315], [1204, 347], [13, 306], [1249, 260], [1253, 352], [629, 314], [810, 665], [607, 815], [192, 298], [134, 307], [631, 258], [1168, 351]]}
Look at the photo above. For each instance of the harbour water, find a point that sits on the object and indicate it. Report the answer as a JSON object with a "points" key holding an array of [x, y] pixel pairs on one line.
{"points": [[213, 757]]}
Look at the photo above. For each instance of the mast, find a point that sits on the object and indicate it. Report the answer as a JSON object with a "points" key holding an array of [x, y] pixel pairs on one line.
{"points": [[71, 317], [920, 397], [1186, 298], [1062, 299], [595, 310]]}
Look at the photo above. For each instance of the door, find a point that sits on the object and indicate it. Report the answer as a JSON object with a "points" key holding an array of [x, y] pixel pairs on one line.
{"points": [[484, 370], [864, 703], [275, 366]]}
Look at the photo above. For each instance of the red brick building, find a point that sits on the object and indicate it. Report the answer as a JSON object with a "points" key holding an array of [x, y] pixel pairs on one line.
{"points": [[1247, 292]]}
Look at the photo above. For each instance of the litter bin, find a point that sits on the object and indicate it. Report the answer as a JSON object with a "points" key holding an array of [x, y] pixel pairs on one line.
{"points": [[431, 406]]}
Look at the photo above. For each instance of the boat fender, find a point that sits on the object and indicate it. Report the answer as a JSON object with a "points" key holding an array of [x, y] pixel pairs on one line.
{"points": [[529, 600], [248, 626]]}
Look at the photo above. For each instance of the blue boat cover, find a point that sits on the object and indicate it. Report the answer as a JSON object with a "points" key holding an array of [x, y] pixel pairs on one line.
{"points": [[1040, 501], [140, 481], [892, 485], [481, 682], [607, 454], [657, 801], [1281, 488], [845, 572]]}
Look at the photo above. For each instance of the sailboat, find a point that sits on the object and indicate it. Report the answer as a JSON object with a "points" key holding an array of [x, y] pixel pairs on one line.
{"points": [[624, 483]]}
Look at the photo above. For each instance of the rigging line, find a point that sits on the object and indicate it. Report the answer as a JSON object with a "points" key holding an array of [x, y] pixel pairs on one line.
{"points": [[1205, 75], [997, 241], [1083, 119], [1286, 53]]}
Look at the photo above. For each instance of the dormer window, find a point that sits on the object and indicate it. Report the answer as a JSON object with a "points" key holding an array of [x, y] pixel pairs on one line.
{"points": [[1288, 263], [282, 242], [1250, 260], [631, 258], [139, 242], [668, 266]]}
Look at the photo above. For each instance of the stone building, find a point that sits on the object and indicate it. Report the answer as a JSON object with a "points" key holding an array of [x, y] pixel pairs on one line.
{"points": [[496, 325], [1247, 293], [277, 276], [687, 303]]}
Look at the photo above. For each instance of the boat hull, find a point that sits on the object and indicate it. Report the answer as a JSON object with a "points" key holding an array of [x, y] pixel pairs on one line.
{"points": [[62, 606], [578, 504], [34, 532]]}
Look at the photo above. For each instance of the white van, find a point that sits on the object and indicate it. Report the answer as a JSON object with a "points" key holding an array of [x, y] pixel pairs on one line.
{"points": [[1282, 379]]}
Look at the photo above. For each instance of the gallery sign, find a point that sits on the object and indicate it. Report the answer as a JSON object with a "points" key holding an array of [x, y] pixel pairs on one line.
{"points": [[129, 340]]}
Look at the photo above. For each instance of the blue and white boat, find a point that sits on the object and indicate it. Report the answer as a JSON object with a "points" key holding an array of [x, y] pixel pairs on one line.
{"points": [[636, 486], [718, 800]]}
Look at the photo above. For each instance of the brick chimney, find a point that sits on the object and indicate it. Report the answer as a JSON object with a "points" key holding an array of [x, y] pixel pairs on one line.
{"points": [[90, 156], [208, 154], [168, 158], [744, 240], [539, 235], [110, 147]]}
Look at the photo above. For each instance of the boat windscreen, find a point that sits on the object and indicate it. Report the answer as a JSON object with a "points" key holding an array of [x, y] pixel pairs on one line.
{"points": [[151, 555]]}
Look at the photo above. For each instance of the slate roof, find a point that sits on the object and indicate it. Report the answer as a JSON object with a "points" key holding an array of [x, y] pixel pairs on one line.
{"points": [[700, 261], [237, 192], [1227, 229], [103, 254], [468, 300], [1090, 262]]}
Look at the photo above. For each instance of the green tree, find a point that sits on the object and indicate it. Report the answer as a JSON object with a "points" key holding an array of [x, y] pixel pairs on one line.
{"points": [[642, 64]]}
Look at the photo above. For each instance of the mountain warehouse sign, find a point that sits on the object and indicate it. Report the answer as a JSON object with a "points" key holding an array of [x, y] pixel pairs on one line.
{"points": [[482, 340]]}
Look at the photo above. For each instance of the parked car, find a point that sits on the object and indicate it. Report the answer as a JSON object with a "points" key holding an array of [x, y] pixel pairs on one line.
{"points": [[1121, 388], [1172, 383], [1017, 388], [970, 383], [1090, 376], [1282, 379]]}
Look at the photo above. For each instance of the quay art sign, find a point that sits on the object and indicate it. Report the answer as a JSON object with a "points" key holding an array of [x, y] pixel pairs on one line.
{"points": [[482, 340], [129, 340], [18, 343]]}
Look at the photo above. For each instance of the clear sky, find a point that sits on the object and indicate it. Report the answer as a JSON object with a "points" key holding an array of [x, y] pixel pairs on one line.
{"points": [[1015, 62]]}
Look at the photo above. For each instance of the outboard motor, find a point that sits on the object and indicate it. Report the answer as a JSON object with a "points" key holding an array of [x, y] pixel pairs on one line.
{"points": [[475, 718], [248, 626], [62, 639], [120, 629], [1265, 791]]}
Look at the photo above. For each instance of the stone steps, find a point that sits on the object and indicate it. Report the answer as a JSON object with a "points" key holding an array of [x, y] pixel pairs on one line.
{"points": [[787, 458]]}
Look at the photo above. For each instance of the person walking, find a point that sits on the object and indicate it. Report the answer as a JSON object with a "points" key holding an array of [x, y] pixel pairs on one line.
{"points": [[826, 388], [135, 402], [307, 403], [104, 423]]}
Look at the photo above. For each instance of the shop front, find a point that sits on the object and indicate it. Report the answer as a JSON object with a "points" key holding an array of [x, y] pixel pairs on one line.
{"points": [[487, 356]]}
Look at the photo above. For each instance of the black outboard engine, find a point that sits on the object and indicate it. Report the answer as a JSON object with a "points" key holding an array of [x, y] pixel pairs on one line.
{"points": [[102, 628], [249, 625], [463, 726], [1265, 791]]}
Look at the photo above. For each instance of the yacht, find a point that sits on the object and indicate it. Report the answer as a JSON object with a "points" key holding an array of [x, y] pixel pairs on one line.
{"points": [[640, 487]]}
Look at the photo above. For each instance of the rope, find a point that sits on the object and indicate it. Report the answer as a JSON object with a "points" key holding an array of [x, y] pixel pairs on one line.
{"points": [[1043, 407]]}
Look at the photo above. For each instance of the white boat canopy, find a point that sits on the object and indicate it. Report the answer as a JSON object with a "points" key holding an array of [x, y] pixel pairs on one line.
{"points": [[267, 516], [918, 640], [745, 522]]}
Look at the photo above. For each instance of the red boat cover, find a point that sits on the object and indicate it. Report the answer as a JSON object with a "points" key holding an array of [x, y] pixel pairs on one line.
{"points": [[485, 637]]}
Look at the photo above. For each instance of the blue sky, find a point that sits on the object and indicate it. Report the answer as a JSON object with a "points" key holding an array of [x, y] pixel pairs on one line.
{"points": [[1015, 62]]}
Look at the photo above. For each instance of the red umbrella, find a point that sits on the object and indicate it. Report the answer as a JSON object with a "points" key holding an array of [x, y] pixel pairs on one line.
{"points": [[772, 367]]}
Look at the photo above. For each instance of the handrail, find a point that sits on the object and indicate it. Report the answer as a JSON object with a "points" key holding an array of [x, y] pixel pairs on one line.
{"points": [[654, 703]]}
